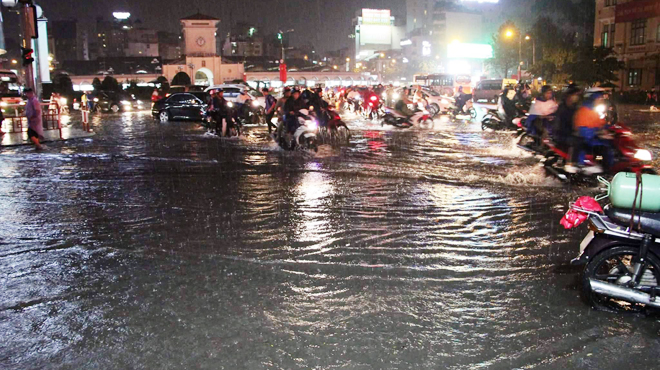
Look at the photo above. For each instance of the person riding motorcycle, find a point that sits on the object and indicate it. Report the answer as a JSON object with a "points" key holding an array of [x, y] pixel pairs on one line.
{"points": [[591, 127], [562, 133], [292, 107], [271, 102], [401, 105], [506, 107], [461, 99], [540, 112], [319, 106], [221, 112]]}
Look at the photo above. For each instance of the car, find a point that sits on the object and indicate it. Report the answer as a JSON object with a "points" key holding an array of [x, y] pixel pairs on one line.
{"points": [[111, 101], [489, 90], [188, 106], [231, 92], [190, 88]]}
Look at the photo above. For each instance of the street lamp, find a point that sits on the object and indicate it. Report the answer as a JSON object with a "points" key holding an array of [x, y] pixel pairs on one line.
{"points": [[509, 34], [348, 64]]}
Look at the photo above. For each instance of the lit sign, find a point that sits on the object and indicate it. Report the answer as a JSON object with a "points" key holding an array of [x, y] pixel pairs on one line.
{"points": [[426, 48], [458, 50], [376, 16], [405, 42], [121, 15]]}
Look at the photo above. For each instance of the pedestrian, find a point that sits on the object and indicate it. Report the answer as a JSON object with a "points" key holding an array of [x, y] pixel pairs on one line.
{"points": [[271, 102], [33, 113]]}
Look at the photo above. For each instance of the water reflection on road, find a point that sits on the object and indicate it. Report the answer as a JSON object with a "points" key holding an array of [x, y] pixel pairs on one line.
{"points": [[157, 246]]}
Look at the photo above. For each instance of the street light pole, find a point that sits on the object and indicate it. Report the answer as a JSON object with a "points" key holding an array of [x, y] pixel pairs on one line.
{"points": [[519, 56]]}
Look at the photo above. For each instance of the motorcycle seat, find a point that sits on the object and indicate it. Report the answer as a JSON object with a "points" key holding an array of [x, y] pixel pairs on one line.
{"points": [[649, 221]]}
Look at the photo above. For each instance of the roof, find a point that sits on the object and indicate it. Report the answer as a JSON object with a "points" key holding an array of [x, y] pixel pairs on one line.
{"points": [[199, 17]]}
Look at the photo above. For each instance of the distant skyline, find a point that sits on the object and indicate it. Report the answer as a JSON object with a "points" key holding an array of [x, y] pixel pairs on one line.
{"points": [[324, 24]]}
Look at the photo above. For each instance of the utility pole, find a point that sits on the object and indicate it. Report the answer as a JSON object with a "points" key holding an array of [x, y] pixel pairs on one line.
{"points": [[519, 56]]}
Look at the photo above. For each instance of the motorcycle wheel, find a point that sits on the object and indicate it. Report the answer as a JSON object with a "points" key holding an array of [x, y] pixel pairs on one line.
{"points": [[614, 265], [473, 112]]}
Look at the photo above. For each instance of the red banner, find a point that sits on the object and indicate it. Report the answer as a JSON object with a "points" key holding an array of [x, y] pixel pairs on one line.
{"points": [[283, 72], [635, 10]]}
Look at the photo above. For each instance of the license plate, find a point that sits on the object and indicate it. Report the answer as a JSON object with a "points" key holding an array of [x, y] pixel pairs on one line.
{"points": [[585, 242]]}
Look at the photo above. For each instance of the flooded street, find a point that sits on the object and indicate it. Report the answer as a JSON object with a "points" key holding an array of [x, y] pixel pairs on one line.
{"points": [[156, 246]]}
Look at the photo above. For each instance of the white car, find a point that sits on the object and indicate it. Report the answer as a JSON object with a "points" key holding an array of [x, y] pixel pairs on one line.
{"points": [[232, 91]]}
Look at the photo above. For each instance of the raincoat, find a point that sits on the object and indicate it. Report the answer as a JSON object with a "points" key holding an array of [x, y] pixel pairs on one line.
{"points": [[33, 114]]}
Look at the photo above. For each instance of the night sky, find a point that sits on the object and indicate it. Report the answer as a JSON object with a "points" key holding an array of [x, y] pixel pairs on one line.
{"points": [[323, 23]]}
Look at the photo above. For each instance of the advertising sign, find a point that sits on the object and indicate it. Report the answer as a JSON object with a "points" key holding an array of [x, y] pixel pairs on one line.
{"points": [[634, 10], [376, 16]]}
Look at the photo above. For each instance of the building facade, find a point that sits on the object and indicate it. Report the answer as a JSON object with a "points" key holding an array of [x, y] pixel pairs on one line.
{"points": [[142, 42], [632, 30], [376, 30], [201, 62]]}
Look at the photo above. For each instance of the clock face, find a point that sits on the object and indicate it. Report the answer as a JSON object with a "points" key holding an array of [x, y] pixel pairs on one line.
{"points": [[201, 41]]}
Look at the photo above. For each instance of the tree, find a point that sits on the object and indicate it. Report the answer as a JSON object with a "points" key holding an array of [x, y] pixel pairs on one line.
{"points": [[62, 84], [110, 84], [555, 49], [181, 79], [505, 48], [595, 65]]}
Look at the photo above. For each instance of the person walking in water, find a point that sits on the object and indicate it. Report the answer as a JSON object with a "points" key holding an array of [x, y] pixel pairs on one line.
{"points": [[33, 113]]}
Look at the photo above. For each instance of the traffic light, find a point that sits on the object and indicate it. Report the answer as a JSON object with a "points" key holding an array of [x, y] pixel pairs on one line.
{"points": [[279, 36], [27, 56]]}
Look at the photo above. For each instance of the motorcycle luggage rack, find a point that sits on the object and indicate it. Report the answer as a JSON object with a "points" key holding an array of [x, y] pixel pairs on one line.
{"points": [[609, 226]]}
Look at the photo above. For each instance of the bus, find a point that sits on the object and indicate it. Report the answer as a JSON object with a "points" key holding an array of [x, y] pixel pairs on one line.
{"points": [[445, 84]]}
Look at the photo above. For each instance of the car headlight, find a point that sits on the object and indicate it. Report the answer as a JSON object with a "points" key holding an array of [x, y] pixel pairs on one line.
{"points": [[125, 102], [4, 104], [96, 100], [255, 103], [63, 101], [21, 103], [643, 155]]}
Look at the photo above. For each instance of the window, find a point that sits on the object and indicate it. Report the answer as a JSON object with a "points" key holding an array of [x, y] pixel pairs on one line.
{"points": [[604, 35], [612, 35], [610, 2], [637, 32], [634, 77], [203, 63]]}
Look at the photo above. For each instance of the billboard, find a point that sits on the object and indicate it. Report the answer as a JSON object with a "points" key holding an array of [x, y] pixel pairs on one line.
{"points": [[628, 12], [376, 16], [458, 50]]}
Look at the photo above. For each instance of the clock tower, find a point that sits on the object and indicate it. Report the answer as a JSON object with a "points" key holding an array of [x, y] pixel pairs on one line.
{"points": [[199, 33]]}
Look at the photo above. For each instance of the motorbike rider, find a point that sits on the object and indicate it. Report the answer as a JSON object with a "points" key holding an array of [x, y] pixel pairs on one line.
{"points": [[292, 107], [279, 109], [401, 105], [221, 113], [540, 112], [461, 99], [319, 106], [592, 130], [353, 98], [271, 102], [506, 107], [562, 133]]}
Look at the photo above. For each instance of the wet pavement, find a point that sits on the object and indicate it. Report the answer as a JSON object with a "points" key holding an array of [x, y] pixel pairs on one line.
{"points": [[155, 245]]}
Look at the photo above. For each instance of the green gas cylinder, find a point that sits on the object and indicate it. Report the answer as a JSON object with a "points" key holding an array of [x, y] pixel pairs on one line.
{"points": [[622, 192]]}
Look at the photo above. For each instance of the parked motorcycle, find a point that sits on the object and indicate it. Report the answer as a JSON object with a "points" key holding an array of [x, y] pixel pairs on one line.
{"points": [[621, 253]]}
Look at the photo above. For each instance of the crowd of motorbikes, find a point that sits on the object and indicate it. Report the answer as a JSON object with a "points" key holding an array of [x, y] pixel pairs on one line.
{"points": [[621, 251]]}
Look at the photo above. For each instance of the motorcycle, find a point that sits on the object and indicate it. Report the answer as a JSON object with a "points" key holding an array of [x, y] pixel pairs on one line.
{"points": [[396, 119], [621, 264], [334, 128], [374, 109], [250, 113], [628, 157], [468, 109], [304, 137]]}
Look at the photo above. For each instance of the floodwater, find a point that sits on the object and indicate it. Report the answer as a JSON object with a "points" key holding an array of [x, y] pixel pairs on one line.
{"points": [[155, 246]]}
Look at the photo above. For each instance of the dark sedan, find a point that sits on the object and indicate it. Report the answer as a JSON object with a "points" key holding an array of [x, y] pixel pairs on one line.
{"points": [[109, 101], [189, 106]]}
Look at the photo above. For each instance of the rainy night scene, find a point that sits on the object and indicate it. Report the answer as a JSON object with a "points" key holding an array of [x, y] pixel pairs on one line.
{"points": [[315, 184]]}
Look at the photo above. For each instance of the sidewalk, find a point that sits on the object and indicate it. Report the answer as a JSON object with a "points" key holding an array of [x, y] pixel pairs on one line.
{"points": [[71, 130]]}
